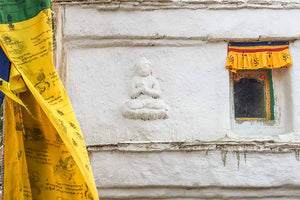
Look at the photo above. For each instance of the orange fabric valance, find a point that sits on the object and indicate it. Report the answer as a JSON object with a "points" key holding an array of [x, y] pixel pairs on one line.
{"points": [[258, 55]]}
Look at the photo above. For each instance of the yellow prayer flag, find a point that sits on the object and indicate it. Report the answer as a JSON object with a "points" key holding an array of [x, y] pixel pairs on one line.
{"points": [[45, 156]]}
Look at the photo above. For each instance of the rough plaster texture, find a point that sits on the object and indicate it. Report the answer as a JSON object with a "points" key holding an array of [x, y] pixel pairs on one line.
{"points": [[189, 170], [187, 45], [217, 24]]}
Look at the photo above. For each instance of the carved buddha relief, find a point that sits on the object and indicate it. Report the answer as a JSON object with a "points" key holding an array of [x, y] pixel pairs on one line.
{"points": [[145, 103]]}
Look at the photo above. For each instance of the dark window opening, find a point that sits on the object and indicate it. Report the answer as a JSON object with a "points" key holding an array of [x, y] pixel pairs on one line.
{"points": [[249, 99]]}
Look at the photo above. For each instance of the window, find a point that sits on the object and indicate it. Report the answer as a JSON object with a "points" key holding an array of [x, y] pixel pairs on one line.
{"points": [[253, 95]]}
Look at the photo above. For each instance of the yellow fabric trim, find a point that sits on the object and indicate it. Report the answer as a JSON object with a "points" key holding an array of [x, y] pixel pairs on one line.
{"points": [[50, 155], [269, 59]]}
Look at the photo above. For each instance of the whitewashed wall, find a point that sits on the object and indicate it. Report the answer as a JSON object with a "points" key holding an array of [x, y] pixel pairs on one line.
{"points": [[200, 152]]}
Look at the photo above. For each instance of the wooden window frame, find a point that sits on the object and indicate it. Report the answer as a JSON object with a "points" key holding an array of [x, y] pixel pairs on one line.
{"points": [[264, 76]]}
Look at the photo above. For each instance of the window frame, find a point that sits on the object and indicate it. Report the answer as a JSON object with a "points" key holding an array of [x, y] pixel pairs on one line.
{"points": [[264, 76]]}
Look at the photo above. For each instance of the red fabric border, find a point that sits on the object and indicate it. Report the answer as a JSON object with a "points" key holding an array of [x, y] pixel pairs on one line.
{"points": [[255, 50]]}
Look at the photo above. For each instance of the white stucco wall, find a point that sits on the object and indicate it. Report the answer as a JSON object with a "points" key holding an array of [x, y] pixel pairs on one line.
{"points": [[200, 151]]}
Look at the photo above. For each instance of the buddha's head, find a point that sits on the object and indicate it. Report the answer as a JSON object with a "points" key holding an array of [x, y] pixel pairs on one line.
{"points": [[143, 67]]}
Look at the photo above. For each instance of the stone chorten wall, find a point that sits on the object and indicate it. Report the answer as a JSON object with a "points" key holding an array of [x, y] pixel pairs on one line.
{"points": [[199, 151]]}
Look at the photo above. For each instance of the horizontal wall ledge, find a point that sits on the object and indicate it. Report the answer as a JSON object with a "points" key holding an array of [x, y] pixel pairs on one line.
{"points": [[225, 146], [212, 192], [181, 4], [157, 40]]}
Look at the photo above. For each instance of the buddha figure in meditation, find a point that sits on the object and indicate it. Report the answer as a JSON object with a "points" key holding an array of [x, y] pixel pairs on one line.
{"points": [[145, 93]]}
